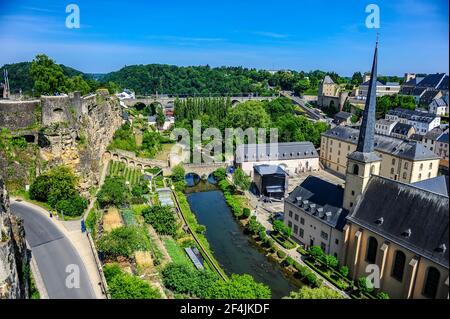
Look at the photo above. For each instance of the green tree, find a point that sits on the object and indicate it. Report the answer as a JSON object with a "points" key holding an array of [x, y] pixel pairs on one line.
{"points": [[184, 279], [331, 261], [281, 228], [317, 252], [239, 287], [162, 219], [357, 78], [344, 271], [48, 77], [113, 192], [77, 83], [160, 117], [122, 285], [249, 114], [124, 241], [178, 173], [241, 180], [315, 293], [220, 174], [73, 206], [363, 285]]}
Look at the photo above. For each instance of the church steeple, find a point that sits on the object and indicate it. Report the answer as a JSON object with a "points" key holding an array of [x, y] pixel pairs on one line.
{"points": [[367, 130], [363, 162]]}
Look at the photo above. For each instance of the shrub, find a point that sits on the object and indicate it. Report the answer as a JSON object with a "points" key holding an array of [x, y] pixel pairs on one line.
{"points": [[113, 192], [344, 271], [124, 241], [331, 261], [280, 228], [382, 295], [289, 261], [184, 279], [73, 206], [162, 219], [281, 254], [262, 235], [313, 280], [220, 174], [317, 252], [122, 285], [246, 212], [363, 286], [239, 287], [200, 229], [315, 293]]}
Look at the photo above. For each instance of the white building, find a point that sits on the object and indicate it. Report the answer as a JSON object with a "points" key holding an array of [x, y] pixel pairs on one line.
{"points": [[423, 122], [439, 106], [126, 94], [293, 157], [384, 127], [390, 88]]}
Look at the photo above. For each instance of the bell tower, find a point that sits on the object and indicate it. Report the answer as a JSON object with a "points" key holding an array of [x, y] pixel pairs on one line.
{"points": [[363, 162]]}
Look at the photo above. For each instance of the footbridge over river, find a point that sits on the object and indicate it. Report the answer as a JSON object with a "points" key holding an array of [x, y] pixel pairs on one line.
{"points": [[204, 169]]}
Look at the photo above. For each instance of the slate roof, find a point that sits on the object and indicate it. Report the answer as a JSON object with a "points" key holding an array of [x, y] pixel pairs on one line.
{"points": [[443, 138], [433, 80], [439, 102], [444, 84], [405, 208], [385, 122], [342, 115], [428, 96], [276, 151], [266, 169], [318, 197], [397, 147], [412, 115], [328, 80], [416, 137], [418, 91], [368, 82], [406, 90], [434, 134], [401, 128], [413, 82], [438, 185]]}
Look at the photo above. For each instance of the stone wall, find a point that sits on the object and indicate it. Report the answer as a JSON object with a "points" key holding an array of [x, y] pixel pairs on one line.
{"points": [[79, 132], [15, 115], [14, 257]]}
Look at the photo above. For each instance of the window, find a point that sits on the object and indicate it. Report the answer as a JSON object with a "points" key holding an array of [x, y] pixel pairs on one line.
{"points": [[351, 204], [290, 213], [372, 169], [336, 241], [420, 177], [331, 142], [431, 283], [323, 246], [399, 265], [339, 153], [392, 170], [295, 229], [331, 150], [296, 217], [421, 166], [348, 147], [406, 165], [353, 193], [302, 232], [289, 224], [324, 235], [431, 165], [429, 174], [372, 246], [393, 161], [404, 175], [355, 169]]}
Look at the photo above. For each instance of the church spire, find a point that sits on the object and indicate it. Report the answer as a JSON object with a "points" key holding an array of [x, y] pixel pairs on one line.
{"points": [[367, 130]]}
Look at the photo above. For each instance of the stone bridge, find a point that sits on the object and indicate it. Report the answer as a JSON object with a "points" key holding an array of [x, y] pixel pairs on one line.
{"points": [[204, 169], [132, 160], [168, 101]]}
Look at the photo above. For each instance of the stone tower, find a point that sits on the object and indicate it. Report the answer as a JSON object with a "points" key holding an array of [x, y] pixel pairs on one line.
{"points": [[363, 162]]}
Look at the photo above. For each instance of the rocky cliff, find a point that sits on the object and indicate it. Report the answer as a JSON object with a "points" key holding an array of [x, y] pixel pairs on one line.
{"points": [[14, 258]]}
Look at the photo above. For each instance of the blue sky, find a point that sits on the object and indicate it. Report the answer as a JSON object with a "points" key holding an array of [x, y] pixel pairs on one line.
{"points": [[294, 34]]}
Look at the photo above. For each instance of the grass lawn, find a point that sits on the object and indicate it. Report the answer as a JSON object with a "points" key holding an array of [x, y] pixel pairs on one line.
{"points": [[177, 253]]}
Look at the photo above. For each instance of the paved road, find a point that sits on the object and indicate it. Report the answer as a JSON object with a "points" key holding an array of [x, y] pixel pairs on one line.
{"points": [[53, 252], [313, 114]]}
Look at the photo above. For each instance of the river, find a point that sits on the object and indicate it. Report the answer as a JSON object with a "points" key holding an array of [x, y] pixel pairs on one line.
{"points": [[232, 248]]}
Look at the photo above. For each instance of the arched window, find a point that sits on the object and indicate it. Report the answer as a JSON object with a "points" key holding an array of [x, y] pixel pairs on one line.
{"points": [[392, 170], [431, 283], [431, 165], [372, 246], [399, 265], [393, 161], [420, 177], [355, 169], [404, 175], [421, 166]]}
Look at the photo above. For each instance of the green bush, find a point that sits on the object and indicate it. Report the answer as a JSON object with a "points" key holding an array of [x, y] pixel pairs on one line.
{"points": [[122, 285], [343, 270], [382, 295], [114, 191], [162, 219], [184, 279], [73, 206], [289, 261], [124, 241], [239, 287], [281, 254], [246, 212]]}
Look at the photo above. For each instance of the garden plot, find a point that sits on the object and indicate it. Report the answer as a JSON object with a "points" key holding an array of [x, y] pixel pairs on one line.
{"points": [[112, 219]]}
